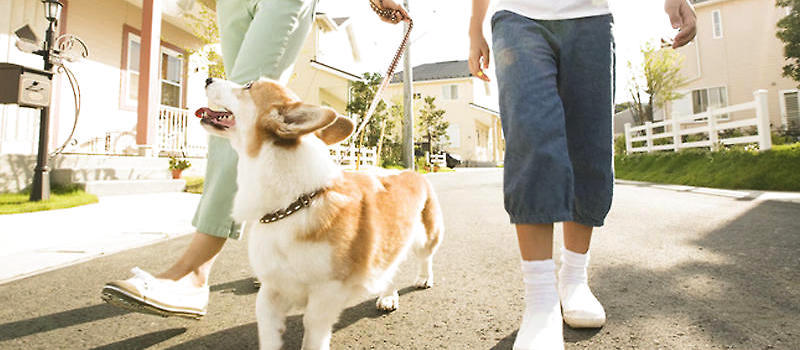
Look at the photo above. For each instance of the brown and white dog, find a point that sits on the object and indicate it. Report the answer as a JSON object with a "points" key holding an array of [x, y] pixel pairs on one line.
{"points": [[355, 230]]}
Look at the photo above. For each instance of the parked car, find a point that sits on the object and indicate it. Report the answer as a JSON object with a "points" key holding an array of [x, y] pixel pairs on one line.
{"points": [[452, 160]]}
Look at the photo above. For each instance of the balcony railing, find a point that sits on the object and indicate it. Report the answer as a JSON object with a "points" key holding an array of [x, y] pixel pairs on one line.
{"points": [[180, 134]]}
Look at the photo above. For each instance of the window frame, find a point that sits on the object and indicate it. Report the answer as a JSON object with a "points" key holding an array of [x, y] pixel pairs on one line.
{"points": [[782, 103], [690, 94], [130, 33], [714, 24], [447, 92]]}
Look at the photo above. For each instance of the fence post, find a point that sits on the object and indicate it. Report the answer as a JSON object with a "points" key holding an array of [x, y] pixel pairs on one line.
{"points": [[762, 120], [713, 135], [676, 133], [628, 142], [648, 131]]}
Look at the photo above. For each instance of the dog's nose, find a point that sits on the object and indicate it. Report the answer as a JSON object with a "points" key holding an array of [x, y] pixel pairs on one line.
{"points": [[209, 81]]}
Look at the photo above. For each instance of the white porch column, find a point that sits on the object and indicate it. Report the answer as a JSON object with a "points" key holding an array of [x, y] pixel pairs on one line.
{"points": [[149, 81]]}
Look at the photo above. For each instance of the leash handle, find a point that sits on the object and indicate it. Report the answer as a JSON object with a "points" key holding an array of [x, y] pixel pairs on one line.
{"points": [[389, 72]]}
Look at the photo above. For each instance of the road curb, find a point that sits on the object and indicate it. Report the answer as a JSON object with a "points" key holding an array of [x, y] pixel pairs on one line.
{"points": [[748, 195]]}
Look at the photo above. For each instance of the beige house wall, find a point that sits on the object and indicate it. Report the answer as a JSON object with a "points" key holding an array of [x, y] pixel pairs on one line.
{"points": [[746, 58], [314, 85], [478, 139]]}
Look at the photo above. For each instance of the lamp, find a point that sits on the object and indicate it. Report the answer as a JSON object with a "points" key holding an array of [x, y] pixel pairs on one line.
{"points": [[52, 9]]}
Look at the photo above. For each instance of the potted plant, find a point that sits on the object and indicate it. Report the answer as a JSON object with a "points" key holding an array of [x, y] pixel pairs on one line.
{"points": [[177, 166]]}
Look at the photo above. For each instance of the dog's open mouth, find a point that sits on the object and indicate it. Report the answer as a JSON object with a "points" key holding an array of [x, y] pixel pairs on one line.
{"points": [[218, 119]]}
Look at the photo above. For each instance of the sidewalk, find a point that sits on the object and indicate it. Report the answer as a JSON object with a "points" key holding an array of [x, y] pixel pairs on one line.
{"points": [[33, 243], [749, 195]]}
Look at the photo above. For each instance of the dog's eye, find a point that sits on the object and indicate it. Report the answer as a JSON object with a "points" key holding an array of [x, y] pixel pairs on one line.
{"points": [[248, 85]]}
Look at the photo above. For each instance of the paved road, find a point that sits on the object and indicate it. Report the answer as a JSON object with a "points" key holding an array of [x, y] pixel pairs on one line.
{"points": [[675, 270]]}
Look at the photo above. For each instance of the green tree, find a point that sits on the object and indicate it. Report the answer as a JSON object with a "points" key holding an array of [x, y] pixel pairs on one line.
{"points": [[361, 94], [658, 79], [432, 126], [789, 33], [204, 27]]}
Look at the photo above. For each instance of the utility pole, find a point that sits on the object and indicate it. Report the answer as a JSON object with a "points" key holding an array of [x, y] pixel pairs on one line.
{"points": [[408, 104]]}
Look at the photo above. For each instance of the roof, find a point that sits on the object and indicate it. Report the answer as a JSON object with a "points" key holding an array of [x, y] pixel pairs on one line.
{"points": [[437, 71], [337, 71], [484, 109]]}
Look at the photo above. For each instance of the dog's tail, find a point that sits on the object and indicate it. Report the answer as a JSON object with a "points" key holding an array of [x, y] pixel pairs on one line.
{"points": [[432, 219]]}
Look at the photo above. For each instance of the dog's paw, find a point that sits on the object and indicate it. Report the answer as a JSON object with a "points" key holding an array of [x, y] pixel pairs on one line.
{"points": [[388, 303], [423, 282]]}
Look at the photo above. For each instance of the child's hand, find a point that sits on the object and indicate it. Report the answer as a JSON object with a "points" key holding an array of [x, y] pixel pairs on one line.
{"points": [[478, 55], [683, 18]]}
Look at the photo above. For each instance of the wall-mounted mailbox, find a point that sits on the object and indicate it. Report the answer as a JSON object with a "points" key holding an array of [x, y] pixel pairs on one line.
{"points": [[26, 87]]}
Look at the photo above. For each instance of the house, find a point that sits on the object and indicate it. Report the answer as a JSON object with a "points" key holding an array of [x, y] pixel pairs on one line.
{"points": [[474, 131], [138, 102], [323, 70], [734, 54]]}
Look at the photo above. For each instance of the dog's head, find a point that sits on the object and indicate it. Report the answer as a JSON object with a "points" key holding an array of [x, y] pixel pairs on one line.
{"points": [[264, 111]]}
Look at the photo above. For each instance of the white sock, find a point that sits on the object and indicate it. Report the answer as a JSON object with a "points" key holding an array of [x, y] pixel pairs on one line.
{"points": [[573, 267], [581, 308], [541, 323]]}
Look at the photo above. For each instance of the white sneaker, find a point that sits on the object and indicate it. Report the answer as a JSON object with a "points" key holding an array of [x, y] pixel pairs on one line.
{"points": [[580, 307], [147, 294], [540, 331]]}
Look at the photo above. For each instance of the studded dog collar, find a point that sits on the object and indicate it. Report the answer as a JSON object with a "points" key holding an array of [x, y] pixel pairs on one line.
{"points": [[300, 203]]}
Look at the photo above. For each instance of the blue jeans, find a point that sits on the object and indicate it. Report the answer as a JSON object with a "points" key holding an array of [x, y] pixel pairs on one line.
{"points": [[556, 84]]}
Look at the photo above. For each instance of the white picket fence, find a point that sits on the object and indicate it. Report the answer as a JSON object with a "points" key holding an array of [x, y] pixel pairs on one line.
{"points": [[179, 133], [437, 159], [348, 156], [672, 128]]}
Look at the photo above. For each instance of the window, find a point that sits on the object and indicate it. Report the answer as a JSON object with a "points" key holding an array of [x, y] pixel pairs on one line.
{"points": [[450, 92], [716, 97], [170, 73], [791, 106], [716, 23], [454, 132], [171, 78], [698, 101], [133, 67]]}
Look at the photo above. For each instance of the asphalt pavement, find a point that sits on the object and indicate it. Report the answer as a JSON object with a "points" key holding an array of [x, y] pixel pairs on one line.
{"points": [[676, 268]]}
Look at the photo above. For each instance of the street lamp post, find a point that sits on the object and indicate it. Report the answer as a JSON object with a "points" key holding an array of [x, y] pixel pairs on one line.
{"points": [[41, 175], [408, 106]]}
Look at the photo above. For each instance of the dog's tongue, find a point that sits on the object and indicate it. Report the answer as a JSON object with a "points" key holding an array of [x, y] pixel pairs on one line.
{"points": [[221, 118], [206, 112]]}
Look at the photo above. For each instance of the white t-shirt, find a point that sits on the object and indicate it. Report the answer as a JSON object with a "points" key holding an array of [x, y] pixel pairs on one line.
{"points": [[555, 9]]}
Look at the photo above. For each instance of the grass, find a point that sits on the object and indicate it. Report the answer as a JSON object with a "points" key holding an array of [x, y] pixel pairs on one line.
{"points": [[776, 170], [60, 197], [194, 184]]}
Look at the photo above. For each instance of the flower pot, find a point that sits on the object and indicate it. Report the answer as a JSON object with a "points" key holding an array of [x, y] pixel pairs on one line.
{"points": [[176, 173]]}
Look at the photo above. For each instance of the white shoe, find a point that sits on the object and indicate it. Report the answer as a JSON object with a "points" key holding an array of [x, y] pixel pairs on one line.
{"points": [[147, 294], [540, 331], [580, 307]]}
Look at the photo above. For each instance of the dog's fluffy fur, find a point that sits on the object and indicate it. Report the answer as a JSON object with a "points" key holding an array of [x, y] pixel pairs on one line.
{"points": [[348, 243]]}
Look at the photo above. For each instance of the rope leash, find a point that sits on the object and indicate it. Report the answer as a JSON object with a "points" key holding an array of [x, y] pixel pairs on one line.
{"points": [[391, 15]]}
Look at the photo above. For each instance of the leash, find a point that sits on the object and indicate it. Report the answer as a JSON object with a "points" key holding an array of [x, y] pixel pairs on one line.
{"points": [[391, 15]]}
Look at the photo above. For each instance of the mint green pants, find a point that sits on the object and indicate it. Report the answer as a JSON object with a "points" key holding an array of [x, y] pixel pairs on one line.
{"points": [[259, 38]]}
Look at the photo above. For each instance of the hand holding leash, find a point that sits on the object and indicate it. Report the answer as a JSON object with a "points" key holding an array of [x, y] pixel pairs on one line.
{"points": [[389, 11]]}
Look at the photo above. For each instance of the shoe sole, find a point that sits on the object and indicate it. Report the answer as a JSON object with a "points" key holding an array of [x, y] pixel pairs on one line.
{"points": [[123, 300]]}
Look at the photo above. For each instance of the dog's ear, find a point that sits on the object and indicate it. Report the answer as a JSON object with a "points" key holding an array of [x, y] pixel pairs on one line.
{"points": [[339, 130], [298, 119]]}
